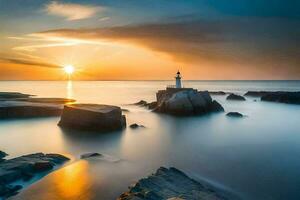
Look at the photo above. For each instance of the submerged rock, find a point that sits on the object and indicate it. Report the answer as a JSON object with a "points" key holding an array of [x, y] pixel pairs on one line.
{"points": [[235, 97], [151, 105], [185, 101], [217, 93], [135, 126], [90, 155], [92, 117], [167, 184], [234, 114], [24, 168], [282, 97]]}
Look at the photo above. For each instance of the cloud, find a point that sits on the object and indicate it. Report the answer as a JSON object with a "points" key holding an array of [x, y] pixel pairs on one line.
{"points": [[72, 11], [29, 62], [257, 46]]}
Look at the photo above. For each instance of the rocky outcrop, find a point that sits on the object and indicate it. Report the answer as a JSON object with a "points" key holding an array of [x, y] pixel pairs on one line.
{"points": [[92, 117], [185, 101], [135, 126], [282, 97], [23, 168], [167, 184], [234, 114], [235, 97]]}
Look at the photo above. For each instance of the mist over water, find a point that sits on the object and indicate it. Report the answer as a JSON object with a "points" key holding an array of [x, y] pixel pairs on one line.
{"points": [[256, 157]]}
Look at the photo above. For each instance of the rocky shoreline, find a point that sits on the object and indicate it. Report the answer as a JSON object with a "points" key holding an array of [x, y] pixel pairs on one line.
{"points": [[170, 184], [24, 168]]}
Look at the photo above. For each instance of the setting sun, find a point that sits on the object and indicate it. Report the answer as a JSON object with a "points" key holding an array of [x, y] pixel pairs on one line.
{"points": [[69, 69]]}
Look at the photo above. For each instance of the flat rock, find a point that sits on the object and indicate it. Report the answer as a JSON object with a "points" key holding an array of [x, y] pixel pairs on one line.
{"points": [[24, 168], [234, 114], [256, 93], [92, 117], [58, 101], [185, 101], [13, 95], [235, 97], [167, 184], [23, 109]]}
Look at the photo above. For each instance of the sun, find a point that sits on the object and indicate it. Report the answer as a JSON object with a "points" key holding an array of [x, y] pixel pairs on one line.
{"points": [[69, 69]]}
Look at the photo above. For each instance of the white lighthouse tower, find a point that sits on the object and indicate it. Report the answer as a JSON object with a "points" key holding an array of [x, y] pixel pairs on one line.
{"points": [[178, 80]]}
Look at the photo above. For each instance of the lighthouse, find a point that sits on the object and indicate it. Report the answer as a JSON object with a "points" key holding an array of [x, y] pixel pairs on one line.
{"points": [[178, 80]]}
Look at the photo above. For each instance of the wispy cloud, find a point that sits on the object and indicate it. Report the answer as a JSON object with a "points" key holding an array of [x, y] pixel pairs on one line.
{"points": [[72, 11], [29, 62]]}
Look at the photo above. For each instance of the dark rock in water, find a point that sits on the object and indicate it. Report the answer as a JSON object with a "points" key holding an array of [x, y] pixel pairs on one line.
{"points": [[92, 117], [90, 155], [13, 95], [170, 184], [2, 155], [141, 103], [234, 114], [235, 97], [217, 93], [282, 97], [135, 126], [152, 105], [20, 109], [256, 93], [185, 101], [24, 168]]}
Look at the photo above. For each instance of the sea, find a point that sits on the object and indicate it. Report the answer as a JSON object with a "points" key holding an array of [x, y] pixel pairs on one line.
{"points": [[253, 158]]}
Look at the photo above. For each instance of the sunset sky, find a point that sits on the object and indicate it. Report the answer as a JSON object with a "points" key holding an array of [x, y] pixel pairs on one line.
{"points": [[150, 39]]}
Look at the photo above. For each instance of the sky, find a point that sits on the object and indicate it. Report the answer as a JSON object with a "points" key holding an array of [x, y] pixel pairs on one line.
{"points": [[150, 39]]}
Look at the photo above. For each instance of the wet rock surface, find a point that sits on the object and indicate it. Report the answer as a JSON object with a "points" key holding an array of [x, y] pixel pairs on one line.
{"points": [[90, 155], [234, 114], [186, 101], [168, 184], [92, 117], [235, 97], [23, 168]]}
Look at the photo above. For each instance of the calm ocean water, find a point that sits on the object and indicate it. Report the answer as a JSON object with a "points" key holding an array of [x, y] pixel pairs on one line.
{"points": [[256, 157]]}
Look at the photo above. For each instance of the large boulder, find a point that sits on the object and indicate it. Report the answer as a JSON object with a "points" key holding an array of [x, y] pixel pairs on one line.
{"points": [[185, 102], [170, 184], [24, 168], [92, 117]]}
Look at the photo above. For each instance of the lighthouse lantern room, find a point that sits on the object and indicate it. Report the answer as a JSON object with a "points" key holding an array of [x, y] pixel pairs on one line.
{"points": [[178, 80]]}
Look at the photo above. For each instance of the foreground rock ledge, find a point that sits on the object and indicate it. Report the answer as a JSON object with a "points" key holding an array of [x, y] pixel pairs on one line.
{"points": [[92, 117], [167, 184], [23, 168]]}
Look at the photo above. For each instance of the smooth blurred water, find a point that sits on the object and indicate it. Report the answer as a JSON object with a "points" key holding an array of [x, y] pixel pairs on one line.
{"points": [[257, 157]]}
